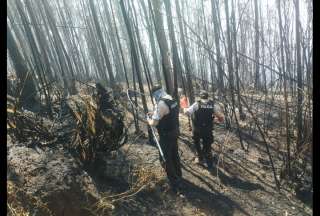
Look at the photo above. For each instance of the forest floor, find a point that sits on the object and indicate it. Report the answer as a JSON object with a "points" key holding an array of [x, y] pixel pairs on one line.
{"points": [[241, 183]]}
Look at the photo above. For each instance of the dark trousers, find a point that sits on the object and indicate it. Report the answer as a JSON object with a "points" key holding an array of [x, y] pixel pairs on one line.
{"points": [[169, 145], [203, 151]]}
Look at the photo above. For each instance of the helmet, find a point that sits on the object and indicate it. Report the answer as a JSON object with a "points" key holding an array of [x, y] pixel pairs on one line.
{"points": [[204, 95], [99, 87]]}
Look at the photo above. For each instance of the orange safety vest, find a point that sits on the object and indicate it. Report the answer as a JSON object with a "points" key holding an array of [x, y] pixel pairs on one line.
{"points": [[184, 102]]}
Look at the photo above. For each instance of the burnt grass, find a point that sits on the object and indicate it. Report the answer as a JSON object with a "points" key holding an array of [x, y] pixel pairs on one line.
{"points": [[241, 183]]}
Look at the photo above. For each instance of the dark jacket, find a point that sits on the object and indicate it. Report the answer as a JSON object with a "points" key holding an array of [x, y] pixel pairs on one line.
{"points": [[169, 122], [202, 118]]}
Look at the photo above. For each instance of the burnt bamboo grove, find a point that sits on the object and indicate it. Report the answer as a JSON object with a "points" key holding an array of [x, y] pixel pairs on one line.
{"points": [[253, 56]]}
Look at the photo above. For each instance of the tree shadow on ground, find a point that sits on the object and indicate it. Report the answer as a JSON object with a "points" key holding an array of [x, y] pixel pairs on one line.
{"points": [[161, 202], [217, 200], [225, 179], [209, 203], [188, 141], [168, 203], [246, 169], [235, 182], [147, 203], [259, 144]]}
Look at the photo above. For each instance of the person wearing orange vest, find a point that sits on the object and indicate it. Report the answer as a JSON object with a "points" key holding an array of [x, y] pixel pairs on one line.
{"points": [[184, 102]]}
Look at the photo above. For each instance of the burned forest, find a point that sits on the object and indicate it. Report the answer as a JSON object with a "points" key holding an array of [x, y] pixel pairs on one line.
{"points": [[159, 107]]}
